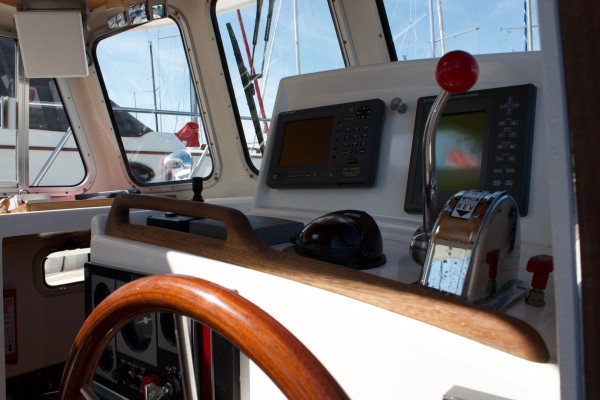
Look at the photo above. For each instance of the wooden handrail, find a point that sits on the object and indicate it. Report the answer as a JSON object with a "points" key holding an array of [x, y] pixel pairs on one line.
{"points": [[291, 366], [242, 247]]}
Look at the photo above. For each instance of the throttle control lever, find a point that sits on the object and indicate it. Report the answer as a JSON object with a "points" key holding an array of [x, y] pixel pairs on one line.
{"points": [[456, 72]]}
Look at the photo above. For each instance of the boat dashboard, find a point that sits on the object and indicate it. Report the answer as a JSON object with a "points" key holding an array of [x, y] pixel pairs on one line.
{"points": [[365, 126]]}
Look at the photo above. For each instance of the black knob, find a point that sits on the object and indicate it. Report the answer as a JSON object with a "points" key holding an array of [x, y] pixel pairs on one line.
{"points": [[197, 186], [120, 375], [136, 380], [173, 385]]}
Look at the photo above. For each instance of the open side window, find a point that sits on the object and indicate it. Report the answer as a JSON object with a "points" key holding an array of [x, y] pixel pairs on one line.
{"points": [[54, 155], [50, 155]]}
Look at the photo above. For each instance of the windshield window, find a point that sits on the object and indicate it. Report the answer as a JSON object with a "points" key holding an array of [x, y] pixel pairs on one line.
{"points": [[300, 38], [428, 29], [154, 105]]}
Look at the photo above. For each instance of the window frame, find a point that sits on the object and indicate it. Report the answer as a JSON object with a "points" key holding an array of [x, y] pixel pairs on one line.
{"points": [[234, 107], [44, 286], [204, 118], [73, 239], [64, 92], [23, 132]]}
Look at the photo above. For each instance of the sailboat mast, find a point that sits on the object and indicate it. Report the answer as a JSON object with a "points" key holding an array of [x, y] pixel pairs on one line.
{"points": [[153, 86], [296, 37], [441, 23], [528, 26], [431, 29]]}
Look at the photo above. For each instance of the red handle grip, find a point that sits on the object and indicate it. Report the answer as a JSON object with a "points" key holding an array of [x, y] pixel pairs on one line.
{"points": [[540, 266]]}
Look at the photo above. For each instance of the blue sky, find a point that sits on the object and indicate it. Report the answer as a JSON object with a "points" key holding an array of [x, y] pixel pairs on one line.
{"points": [[480, 26], [125, 65], [494, 26], [318, 44]]}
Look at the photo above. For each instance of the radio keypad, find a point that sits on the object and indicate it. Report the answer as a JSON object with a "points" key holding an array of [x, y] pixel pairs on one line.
{"points": [[357, 137], [355, 141], [506, 145]]}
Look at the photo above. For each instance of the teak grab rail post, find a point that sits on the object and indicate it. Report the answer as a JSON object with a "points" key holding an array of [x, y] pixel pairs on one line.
{"points": [[291, 366], [242, 247]]}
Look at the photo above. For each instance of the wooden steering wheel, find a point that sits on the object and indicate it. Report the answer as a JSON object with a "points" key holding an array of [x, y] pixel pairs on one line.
{"points": [[291, 366]]}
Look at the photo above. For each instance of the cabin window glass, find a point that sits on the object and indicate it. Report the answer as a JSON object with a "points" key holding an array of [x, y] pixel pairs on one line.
{"points": [[8, 114], [301, 39], [54, 157], [65, 267], [154, 106], [429, 29]]}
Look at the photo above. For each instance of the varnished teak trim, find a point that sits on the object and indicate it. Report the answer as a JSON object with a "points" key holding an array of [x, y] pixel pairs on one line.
{"points": [[62, 205], [242, 247]]}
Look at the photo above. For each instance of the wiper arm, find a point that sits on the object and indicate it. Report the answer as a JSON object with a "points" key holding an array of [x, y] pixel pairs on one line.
{"points": [[256, 26], [267, 32], [248, 88], [258, 75]]}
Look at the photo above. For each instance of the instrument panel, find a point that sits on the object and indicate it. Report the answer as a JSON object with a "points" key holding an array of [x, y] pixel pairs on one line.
{"points": [[146, 352], [484, 141], [330, 146]]}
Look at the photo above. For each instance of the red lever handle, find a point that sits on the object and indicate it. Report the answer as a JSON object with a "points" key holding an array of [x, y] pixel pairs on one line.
{"points": [[457, 71], [540, 266]]}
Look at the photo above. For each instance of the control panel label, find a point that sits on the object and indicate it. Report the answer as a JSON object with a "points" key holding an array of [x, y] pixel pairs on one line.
{"points": [[467, 203], [10, 326], [351, 172]]}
